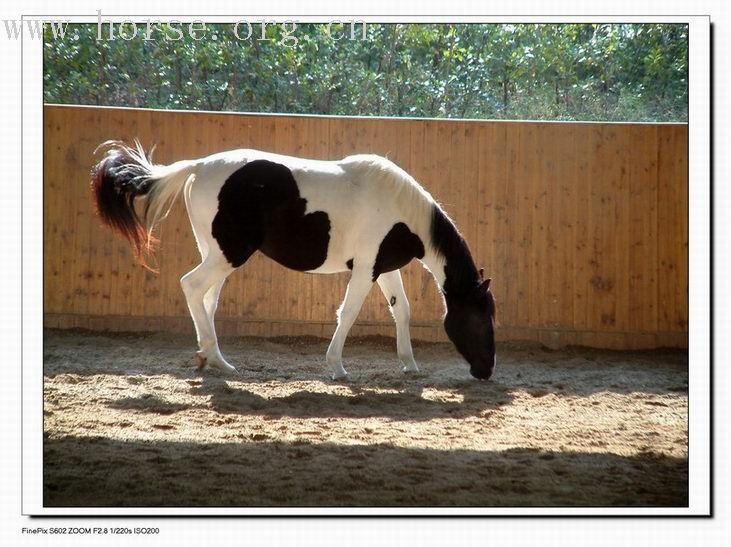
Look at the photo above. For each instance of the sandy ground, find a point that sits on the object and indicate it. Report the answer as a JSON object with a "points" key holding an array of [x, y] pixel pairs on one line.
{"points": [[130, 421]]}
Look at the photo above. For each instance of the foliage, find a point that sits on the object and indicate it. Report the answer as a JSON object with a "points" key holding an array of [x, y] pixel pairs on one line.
{"points": [[625, 72]]}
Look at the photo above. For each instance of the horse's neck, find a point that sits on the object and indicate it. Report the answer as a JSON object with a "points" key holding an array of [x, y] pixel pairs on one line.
{"points": [[451, 265]]}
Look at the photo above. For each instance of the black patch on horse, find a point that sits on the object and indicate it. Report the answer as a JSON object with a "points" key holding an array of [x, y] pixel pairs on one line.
{"points": [[397, 249], [260, 208]]}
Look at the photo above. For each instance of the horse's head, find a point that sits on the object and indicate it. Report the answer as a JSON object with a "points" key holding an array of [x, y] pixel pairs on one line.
{"points": [[470, 325]]}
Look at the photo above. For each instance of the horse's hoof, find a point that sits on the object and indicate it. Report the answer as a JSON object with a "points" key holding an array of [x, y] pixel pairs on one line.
{"points": [[410, 369], [340, 376], [223, 366], [220, 364]]}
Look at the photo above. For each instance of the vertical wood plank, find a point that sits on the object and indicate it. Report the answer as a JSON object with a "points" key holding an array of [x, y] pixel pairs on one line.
{"points": [[503, 156], [602, 206], [80, 223], [529, 226], [643, 172], [666, 219], [681, 235], [672, 229], [515, 238], [566, 225], [619, 188], [55, 235], [584, 151]]}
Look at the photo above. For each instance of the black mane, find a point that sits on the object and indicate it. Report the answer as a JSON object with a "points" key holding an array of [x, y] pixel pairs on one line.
{"points": [[461, 274]]}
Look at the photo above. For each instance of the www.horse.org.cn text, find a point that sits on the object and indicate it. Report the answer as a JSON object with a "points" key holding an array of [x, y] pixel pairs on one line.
{"points": [[242, 30]]}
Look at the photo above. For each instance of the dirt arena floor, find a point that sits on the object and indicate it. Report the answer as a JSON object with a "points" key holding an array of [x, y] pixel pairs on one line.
{"points": [[130, 421]]}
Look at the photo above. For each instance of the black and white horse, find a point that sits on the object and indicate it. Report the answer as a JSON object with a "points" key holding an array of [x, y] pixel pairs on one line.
{"points": [[362, 213]]}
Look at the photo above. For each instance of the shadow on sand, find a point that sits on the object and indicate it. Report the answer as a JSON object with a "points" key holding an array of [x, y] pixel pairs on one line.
{"points": [[225, 397], [100, 472]]}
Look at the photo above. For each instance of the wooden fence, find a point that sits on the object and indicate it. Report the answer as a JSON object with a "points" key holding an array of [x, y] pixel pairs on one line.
{"points": [[582, 226]]}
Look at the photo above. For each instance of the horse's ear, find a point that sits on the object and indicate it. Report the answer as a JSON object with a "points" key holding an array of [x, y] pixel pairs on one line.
{"points": [[484, 286], [482, 274]]}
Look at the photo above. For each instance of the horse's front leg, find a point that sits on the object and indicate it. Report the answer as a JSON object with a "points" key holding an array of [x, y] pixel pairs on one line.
{"points": [[358, 286], [393, 289]]}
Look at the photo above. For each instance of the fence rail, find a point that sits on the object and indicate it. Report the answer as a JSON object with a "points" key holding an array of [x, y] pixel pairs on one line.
{"points": [[582, 226]]}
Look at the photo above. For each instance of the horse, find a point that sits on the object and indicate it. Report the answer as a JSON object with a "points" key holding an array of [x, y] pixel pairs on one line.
{"points": [[362, 214]]}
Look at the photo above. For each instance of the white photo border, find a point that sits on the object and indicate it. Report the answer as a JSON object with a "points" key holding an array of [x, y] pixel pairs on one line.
{"points": [[699, 353]]}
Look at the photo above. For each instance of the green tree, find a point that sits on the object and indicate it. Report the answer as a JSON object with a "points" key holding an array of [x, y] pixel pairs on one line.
{"points": [[636, 72]]}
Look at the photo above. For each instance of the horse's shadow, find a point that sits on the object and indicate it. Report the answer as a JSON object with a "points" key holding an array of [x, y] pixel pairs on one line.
{"points": [[355, 401], [360, 401]]}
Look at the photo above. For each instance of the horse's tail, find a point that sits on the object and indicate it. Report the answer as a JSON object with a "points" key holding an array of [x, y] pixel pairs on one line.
{"points": [[123, 175]]}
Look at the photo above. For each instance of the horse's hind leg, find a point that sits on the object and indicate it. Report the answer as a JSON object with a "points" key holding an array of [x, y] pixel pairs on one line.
{"points": [[210, 300], [202, 284], [210, 303], [393, 289]]}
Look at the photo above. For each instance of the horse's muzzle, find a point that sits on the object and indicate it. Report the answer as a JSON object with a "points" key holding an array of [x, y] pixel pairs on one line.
{"points": [[483, 372]]}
